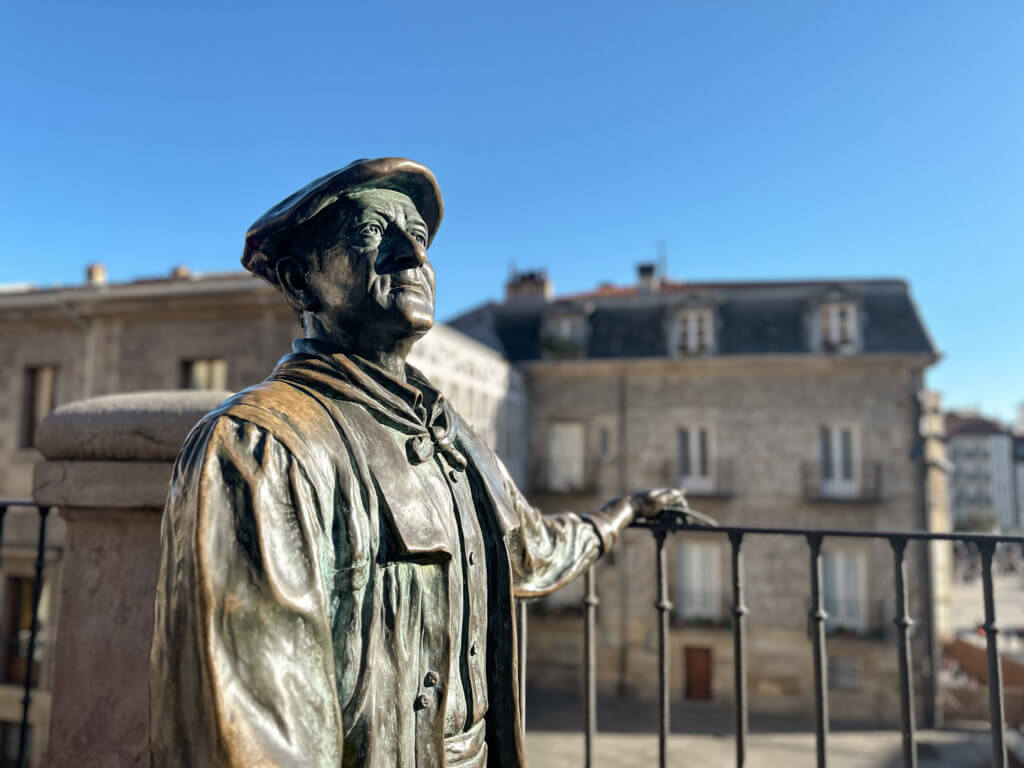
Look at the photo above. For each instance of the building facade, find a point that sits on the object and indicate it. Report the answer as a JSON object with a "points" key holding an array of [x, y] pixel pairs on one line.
{"points": [[983, 486], [218, 332], [773, 404]]}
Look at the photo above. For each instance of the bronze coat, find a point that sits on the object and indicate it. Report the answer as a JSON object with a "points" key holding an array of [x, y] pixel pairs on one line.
{"points": [[302, 597]]}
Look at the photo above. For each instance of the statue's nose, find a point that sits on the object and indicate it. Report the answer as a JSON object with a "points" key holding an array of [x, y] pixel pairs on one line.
{"points": [[400, 252]]}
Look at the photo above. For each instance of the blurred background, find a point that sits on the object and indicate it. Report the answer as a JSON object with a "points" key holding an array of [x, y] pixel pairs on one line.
{"points": [[772, 254]]}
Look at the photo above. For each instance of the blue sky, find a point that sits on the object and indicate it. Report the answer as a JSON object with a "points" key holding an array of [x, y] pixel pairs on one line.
{"points": [[760, 140]]}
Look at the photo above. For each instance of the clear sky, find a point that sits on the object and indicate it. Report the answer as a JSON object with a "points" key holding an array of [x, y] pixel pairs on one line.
{"points": [[760, 140]]}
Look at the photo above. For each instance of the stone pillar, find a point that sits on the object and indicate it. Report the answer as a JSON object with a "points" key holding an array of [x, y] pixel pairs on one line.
{"points": [[106, 470]]}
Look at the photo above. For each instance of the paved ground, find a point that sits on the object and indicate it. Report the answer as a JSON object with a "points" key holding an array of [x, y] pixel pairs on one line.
{"points": [[870, 749], [702, 738]]}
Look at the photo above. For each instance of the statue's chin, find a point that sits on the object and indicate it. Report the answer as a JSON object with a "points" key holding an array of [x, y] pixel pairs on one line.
{"points": [[415, 310]]}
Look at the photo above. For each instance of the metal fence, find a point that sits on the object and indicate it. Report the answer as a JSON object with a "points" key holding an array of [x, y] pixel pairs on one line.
{"points": [[681, 520], [37, 588]]}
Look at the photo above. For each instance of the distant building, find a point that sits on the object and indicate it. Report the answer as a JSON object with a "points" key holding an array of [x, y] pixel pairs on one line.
{"points": [[772, 403], [982, 484], [218, 331], [1018, 477]]}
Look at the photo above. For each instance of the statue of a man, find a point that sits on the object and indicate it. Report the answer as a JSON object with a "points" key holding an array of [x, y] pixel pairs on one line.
{"points": [[340, 550]]}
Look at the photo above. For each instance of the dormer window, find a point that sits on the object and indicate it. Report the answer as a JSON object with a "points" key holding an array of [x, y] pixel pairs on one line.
{"points": [[568, 328], [695, 332], [839, 327], [564, 335]]}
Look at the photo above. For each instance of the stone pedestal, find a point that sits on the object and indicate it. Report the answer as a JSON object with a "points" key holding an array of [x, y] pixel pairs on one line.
{"points": [[107, 466]]}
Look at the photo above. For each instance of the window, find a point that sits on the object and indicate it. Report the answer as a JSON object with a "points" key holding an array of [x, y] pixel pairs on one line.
{"points": [[569, 328], [699, 588], [839, 456], [694, 466], [843, 582], [695, 332], [205, 373], [565, 456], [18, 626], [843, 673], [604, 443], [39, 398], [839, 326]]}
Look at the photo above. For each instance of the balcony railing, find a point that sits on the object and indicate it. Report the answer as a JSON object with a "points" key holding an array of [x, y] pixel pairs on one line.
{"points": [[37, 588], [585, 483], [865, 485], [682, 520], [717, 482]]}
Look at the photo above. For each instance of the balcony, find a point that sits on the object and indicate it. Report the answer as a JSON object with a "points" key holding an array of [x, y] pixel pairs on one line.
{"points": [[581, 479], [718, 482], [862, 486]]}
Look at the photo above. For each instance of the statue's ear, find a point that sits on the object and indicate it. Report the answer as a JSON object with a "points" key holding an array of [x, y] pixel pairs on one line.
{"points": [[293, 277]]}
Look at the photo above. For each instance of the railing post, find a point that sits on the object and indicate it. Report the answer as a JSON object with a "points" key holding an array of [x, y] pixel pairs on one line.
{"points": [[521, 637], [664, 606], [995, 667], [904, 625], [3, 516], [818, 617], [37, 588], [739, 613], [590, 601]]}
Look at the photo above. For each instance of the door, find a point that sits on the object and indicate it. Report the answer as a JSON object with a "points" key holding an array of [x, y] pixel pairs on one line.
{"points": [[698, 673]]}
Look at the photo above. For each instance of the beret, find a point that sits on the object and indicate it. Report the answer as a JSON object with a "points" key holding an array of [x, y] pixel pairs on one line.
{"points": [[269, 236]]}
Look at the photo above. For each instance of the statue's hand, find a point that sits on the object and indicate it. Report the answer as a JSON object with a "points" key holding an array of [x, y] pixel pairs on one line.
{"points": [[653, 502]]}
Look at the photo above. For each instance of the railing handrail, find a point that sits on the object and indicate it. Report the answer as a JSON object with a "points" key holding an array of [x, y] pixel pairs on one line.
{"points": [[977, 538]]}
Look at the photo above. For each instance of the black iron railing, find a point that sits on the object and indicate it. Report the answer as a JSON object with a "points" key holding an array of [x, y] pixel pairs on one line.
{"points": [[37, 588], [681, 520]]}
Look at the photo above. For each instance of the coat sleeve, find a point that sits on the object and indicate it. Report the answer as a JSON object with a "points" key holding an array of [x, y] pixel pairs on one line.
{"points": [[242, 666], [547, 551]]}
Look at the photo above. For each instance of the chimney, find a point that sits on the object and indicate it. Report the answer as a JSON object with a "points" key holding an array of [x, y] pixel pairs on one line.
{"points": [[96, 274], [180, 272], [647, 279], [528, 288]]}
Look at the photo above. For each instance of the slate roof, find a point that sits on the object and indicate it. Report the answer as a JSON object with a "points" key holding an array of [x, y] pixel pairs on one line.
{"points": [[750, 319]]}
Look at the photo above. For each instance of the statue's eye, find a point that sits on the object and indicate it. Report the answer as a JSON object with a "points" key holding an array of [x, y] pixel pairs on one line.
{"points": [[371, 229], [420, 239]]}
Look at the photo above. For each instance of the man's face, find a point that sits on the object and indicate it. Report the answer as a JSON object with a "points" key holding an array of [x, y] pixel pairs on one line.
{"points": [[374, 278]]}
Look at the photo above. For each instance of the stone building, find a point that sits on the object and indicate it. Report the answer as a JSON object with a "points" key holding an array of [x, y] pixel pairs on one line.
{"points": [[982, 485], [773, 404], [795, 404], [215, 331]]}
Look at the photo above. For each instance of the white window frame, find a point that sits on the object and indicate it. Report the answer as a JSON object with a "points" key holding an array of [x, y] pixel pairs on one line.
{"points": [[844, 588], [695, 332], [699, 580], [689, 467], [566, 469], [835, 482], [839, 332], [210, 373]]}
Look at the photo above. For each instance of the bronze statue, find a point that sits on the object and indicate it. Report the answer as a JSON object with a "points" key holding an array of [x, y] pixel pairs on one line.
{"points": [[340, 551]]}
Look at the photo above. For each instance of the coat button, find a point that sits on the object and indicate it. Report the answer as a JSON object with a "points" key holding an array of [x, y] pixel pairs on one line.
{"points": [[453, 476], [472, 558], [472, 649], [431, 679], [422, 702]]}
